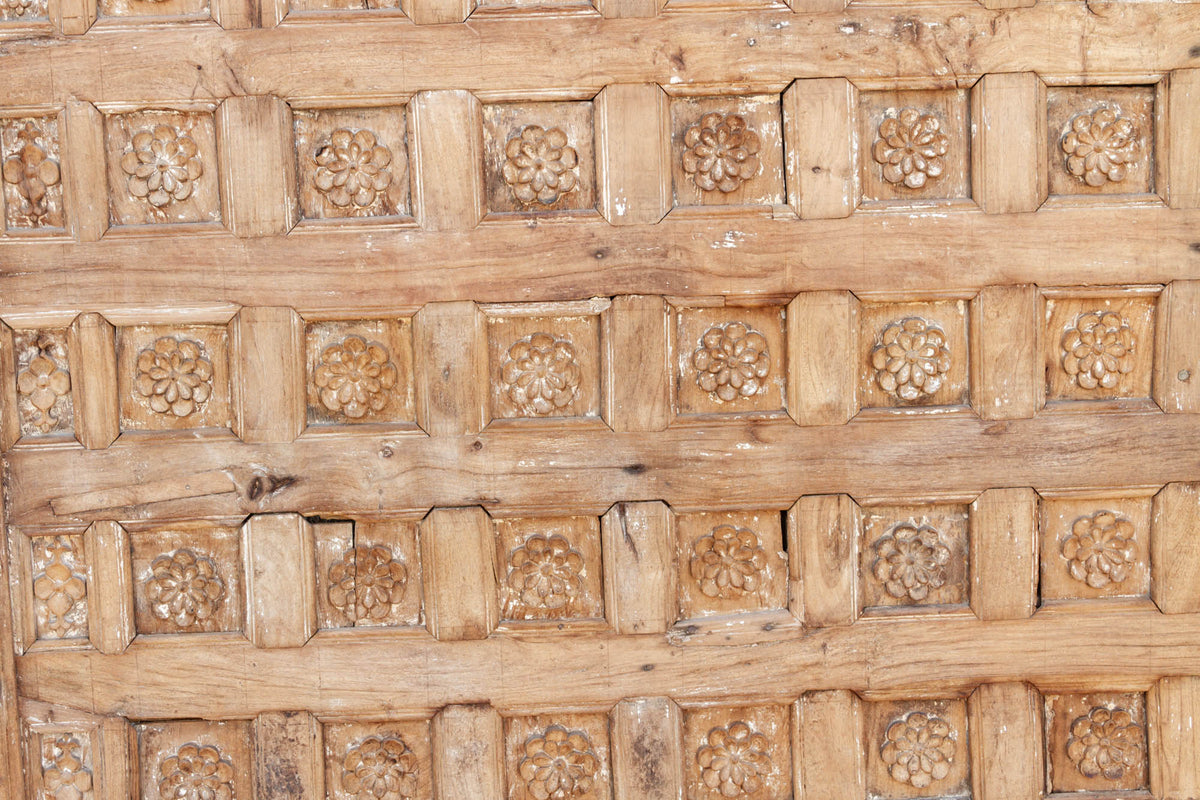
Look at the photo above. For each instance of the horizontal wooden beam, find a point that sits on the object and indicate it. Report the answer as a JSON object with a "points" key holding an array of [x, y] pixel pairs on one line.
{"points": [[765, 465], [369, 673]]}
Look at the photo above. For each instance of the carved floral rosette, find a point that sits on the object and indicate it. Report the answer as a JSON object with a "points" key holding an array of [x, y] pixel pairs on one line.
{"points": [[911, 560], [734, 760], [1106, 742], [559, 764], [59, 587], [541, 374], [919, 749]]}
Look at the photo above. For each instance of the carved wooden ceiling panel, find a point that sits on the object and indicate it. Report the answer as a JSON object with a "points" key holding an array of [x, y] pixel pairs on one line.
{"points": [[634, 400]]}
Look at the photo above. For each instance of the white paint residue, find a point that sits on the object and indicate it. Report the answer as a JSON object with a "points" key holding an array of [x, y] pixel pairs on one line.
{"points": [[731, 240], [743, 445], [675, 79]]}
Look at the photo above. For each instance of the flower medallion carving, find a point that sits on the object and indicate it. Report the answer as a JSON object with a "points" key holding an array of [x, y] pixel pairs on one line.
{"points": [[910, 560], [1098, 349], [545, 571], [910, 147], [1100, 146], [44, 384], [1100, 549], [919, 749], [721, 152], [352, 168], [174, 376], [559, 764], [1106, 742], [22, 9], [734, 760], [731, 361], [541, 374], [65, 776], [367, 582], [911, 358], [34, 174], [162, 164], [728, 562], [186, 588], [380, 768], [540, 165], [196, 772], [355, 377], [59, 588]]}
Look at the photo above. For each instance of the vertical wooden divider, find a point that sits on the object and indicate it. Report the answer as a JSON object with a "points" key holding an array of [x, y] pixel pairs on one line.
{"points": [[612, 9], [1007, 378], [84, 176], [468, 753], [642, 393], [647, 750], [819, 128], [458, 553], [822, 329], [257, 165], [1008, 149], [638, 546], [436, 12], [244, 14], [633, 153], [1177, 359], [92, 355], [72, 17], [1174, 719], [447, 160], [289, 757], [451, 370], [268, 374], [1182, 139], [1007, 750], [281, 608], [10, 418], [12, 776], [116, 766], [1175, 549], [827, 746], [828, 529], [1004, 554], [110, 590]]}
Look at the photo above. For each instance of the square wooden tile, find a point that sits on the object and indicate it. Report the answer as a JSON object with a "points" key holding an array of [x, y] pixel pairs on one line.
{"points": [[758, 738], [1099, 348], [917, 749], [32, 177], [914, 557], [378, 759], [1096, 743], [730, 360], [59, 591], [154, 8], [539, 156], [727, 150], [173, 377], [44, 402], [575, 744], [544, 366], [360, 371], [913, 354], [162, 165], [550, 568], [385, 554], [1086, 122], [730, 562], [187, 579], [915, 145], [341, 5], [195, 758], [353, 162], [1093, 548]]}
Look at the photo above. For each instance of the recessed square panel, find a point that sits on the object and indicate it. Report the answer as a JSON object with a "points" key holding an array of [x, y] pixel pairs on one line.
{"points": [[187, 579], [544, 366], [1099, 347], [730, 359], [915, 145], [565, 753], [1101, 139], [360, 371], [368, 574], [738, 752], [730, 562], [539, 156], [173, 377], [378, 760], [195, 758], [1095, 547], [549, 568], [1096, 743], [727, 150], [32, 174], [914, 354], [914, 557], [44, 402], [917, 749], [61, 580]]}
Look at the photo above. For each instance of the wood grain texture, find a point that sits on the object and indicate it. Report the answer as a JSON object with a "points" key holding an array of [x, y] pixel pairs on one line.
{"points": [[459, 573], [451, 376], [1008, 149], [1183, 139], [288, 756], [12, 775], [280, 580], [110, 601], [257, 166], [820, 120], [468, 752], [91, 341], [828, 746], [647, 757], [823, 358], [1175, 549], [1007, 751], [447, 160], [1174, 710], [828, 528], [1007, 379], [267, 374], [10, 420], [1177, 358], [641, 390], [72, 17], [1004, 554], [633, 154], [639, 566], [434, 12], [83, 171], [118, 744]]}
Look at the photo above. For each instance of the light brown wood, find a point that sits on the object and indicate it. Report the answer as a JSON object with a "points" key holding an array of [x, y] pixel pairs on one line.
{"points": [[269, 382], [279, 580], [91, 341], [451, 378], [823, 345], [118, 746], [1175, 379], [642, 392], [829, 745], [819, 117], [1175, 548], [828, 528], [10, 422], [633, 157], [12, 777], [1183, 188], [1008, 150], [288, 758], [1004, 554], [646, 751], [258, 176], [1175, 744], [639, 562], [468, 759], [457, 552], [629, 8], [73, 17], [448, 191], [87, 209], [110, 623], [432, 12], [1007, 758], [1007, 380]]}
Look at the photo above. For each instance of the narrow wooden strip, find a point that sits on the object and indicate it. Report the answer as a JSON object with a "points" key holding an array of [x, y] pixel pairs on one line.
{"points": [[828, 528], [819, 123], [1004, 554], [1174, 707], [10, 419], [822, 358], [1175, 549], [20, 574], [92, 355], [828, 748], [12, 777], [72, 17], [1008, 380], [451, 374], [113, 779], [457, 567], [639, 567], [647, 744], [468, 753], [1177, 358], [1183, 139], [268, 374], [1007, 750], [233, 15], [641, 389], [447, 160], [280, 580], [257, 162], [289, 757], [110, 588], [83, 165], [139, 494], [633, 153], [1008, 148]]}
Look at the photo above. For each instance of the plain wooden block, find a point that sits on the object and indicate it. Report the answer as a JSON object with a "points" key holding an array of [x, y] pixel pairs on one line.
{"points": [[10, 419], [468, 753], [639, 567], [633, 153], [612, 9], [289, 757], [110, 590], [647, 750], [458, 553], [827, 751], [84, 176], [1174, 714], [268, 374], [1177, 357], [1007, 380], [641, 392], [447, 160], [280, 578], [815, 6], [1008, 149], [1007, 751], [1182, 168], [1175, 549], [819, 120], [257, 165], [1004, 554], [92, 355], [452, 376], [822, 329], [828, 528], [72, 17], [437, 12], [113, 780]]}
